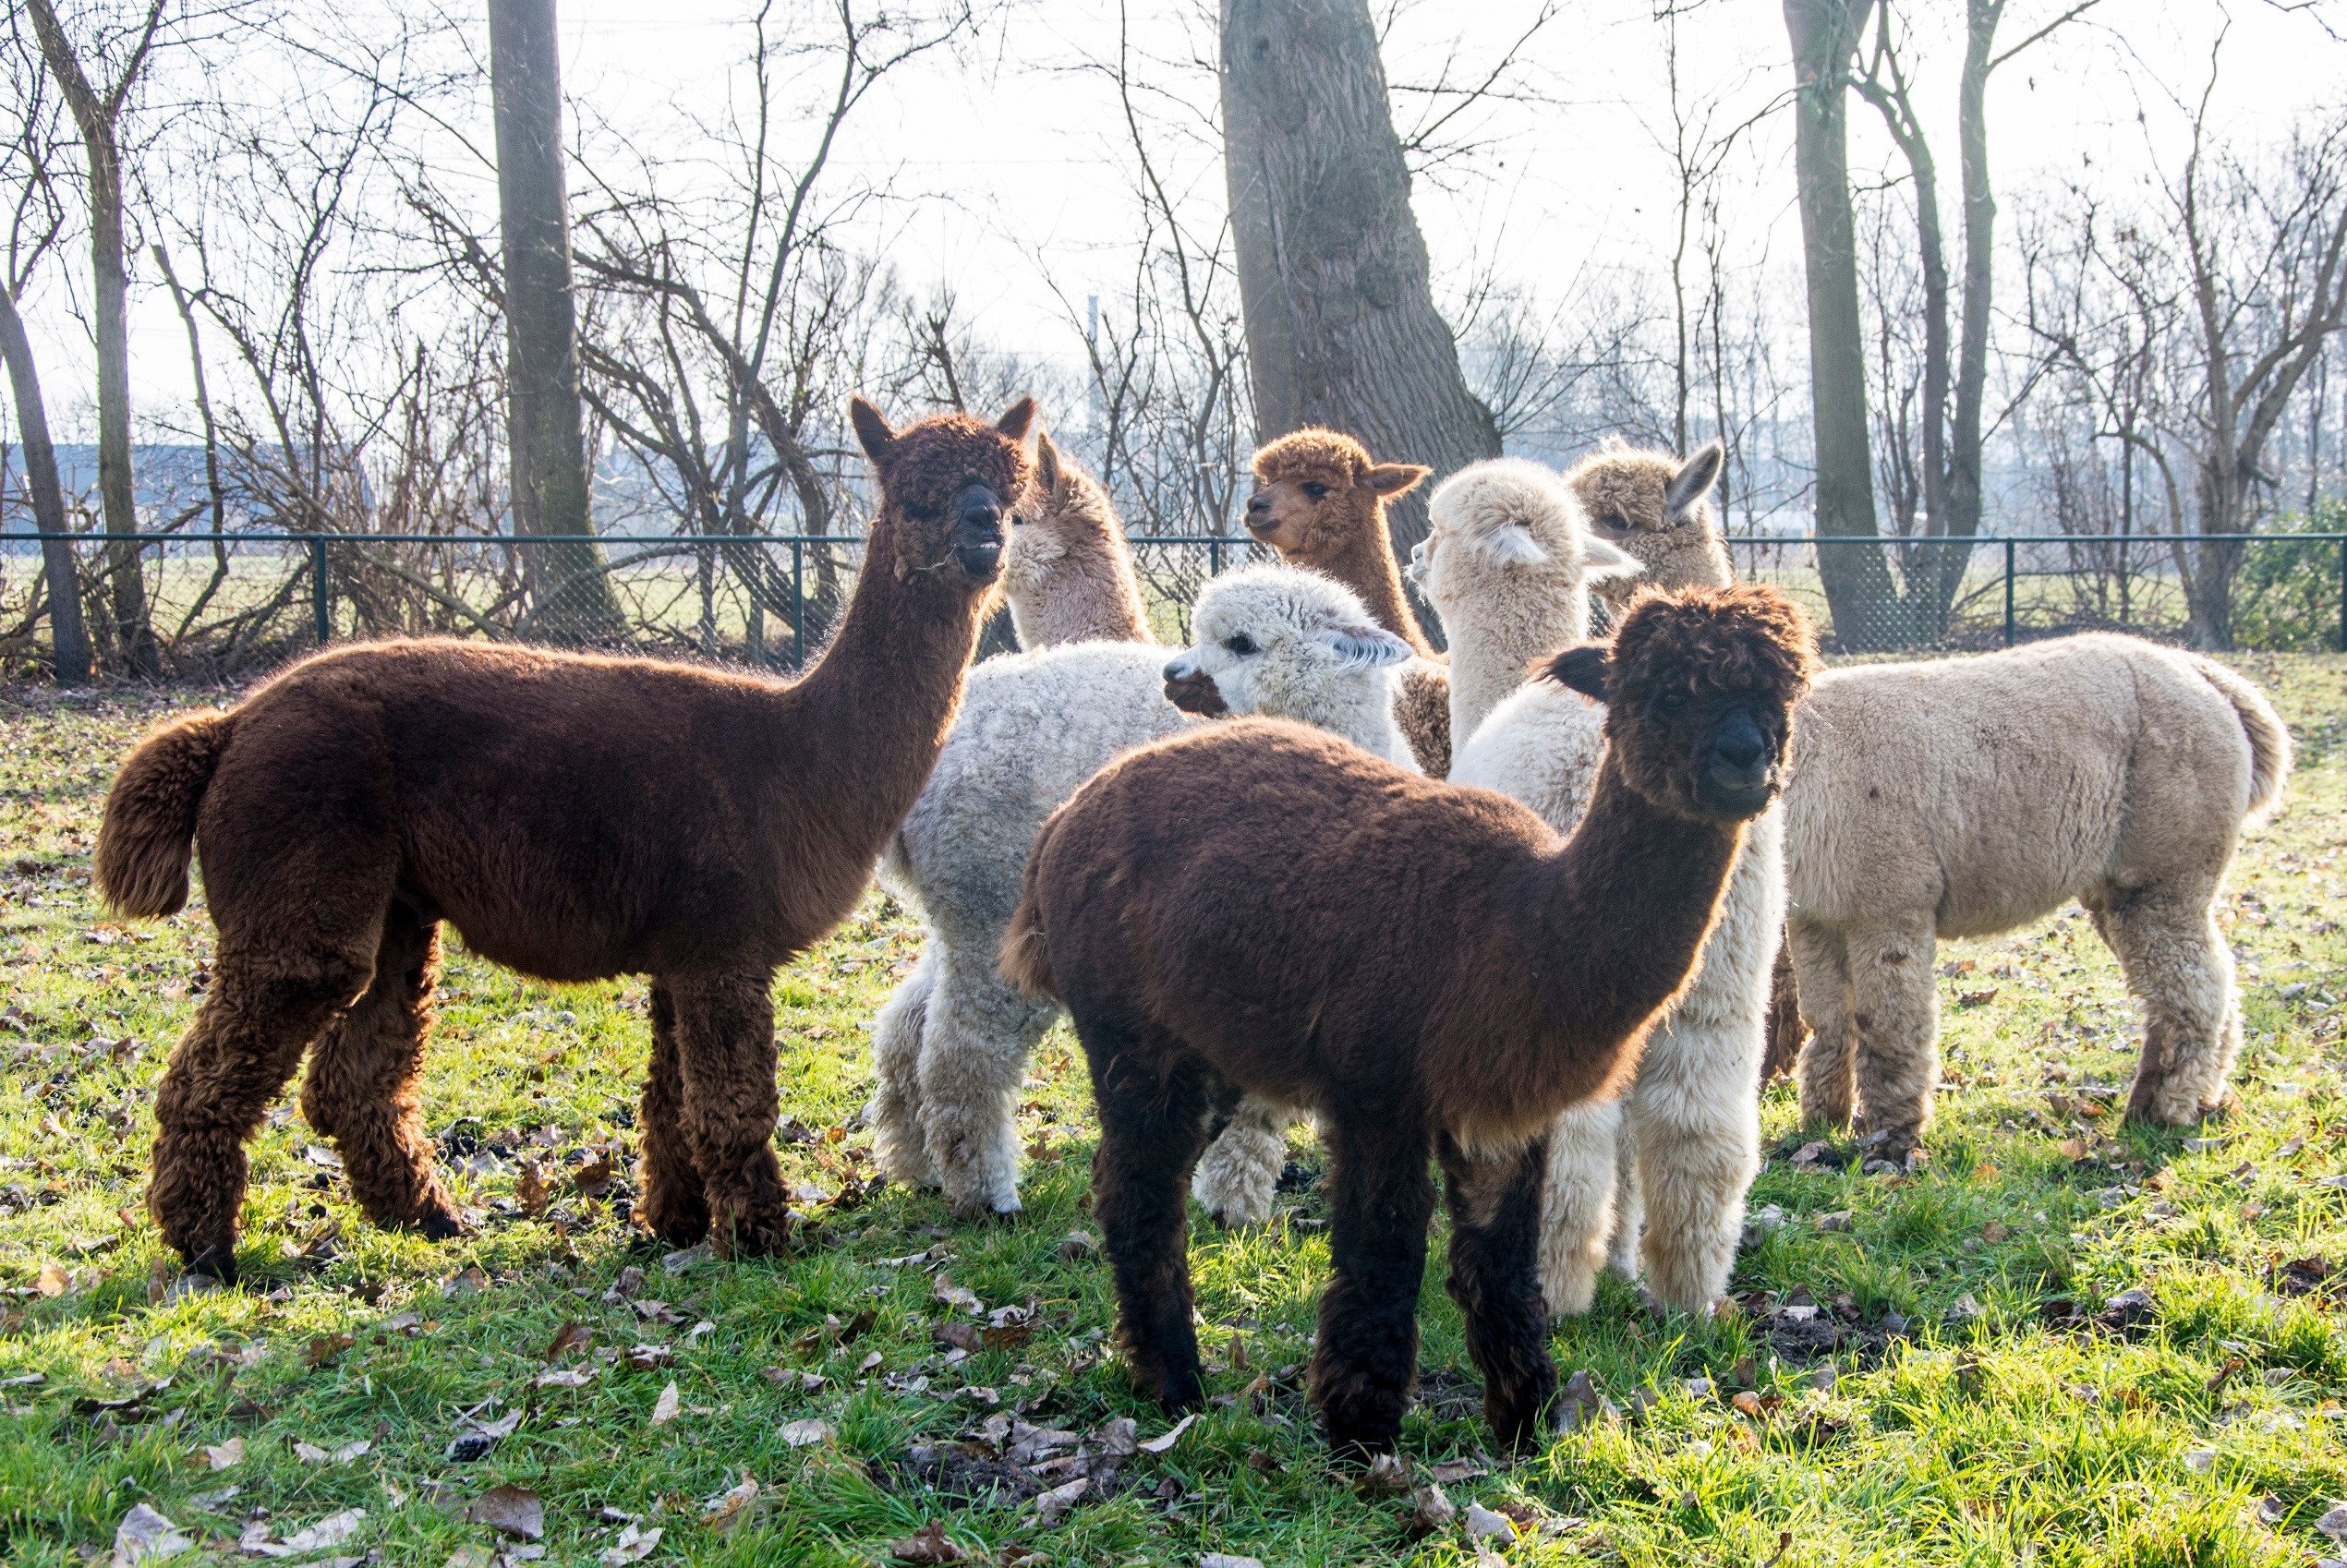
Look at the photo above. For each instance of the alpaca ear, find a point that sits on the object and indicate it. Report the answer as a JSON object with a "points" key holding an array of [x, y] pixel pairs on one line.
{"points": [[1693, 482], [1582, 668], [1602, 559], [1015, 420], [1046, 462], [1392, 478], [1511, 543], [1363, 647], [872, 430]]}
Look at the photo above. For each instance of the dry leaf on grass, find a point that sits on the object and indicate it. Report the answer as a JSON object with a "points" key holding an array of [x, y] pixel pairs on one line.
{"points": [[668, 1406], [569, 1337], [222, 1456], [806, 1433], [326, 1346], [1049, 1506], [727, 1509], [1223, 1559], [145, 1536], [311, 1453], [633, 1545], [1166, 1440], [1484, 1524], [927, 1545], [530, 1189], [1387, 1477], [514, 1511]]}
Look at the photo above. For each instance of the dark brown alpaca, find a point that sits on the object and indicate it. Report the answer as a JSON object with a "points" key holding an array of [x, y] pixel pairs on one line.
{"points": [[1320, 502], [1425, 966], [575, 818]]}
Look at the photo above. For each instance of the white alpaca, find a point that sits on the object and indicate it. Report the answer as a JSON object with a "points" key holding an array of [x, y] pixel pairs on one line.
{"points": [[952, 1045], [1967, 797], [1505, 563]]}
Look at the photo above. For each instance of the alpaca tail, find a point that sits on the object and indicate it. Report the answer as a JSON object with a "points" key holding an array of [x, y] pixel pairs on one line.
{"points": [[148, 833], [2268, 736], [1026, 960]]}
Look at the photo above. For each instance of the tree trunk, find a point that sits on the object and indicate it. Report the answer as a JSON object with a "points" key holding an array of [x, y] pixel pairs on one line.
{"points": [[1341, 324], [109, 288], [572, 598], [1858, 590], [70, 641]]}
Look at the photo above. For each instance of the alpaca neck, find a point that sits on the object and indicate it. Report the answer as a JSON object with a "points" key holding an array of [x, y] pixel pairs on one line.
{"points": [[870, 717], [1496, 637], [1361, 709], [1611, 926], [1088, 594], [1365, 563]]}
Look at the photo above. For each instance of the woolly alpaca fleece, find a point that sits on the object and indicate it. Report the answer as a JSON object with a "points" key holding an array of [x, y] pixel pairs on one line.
{"points": [[950, 1046], [1689, 1132], [1320, 501], [1262, 947], [574, 817], [1967, 797], [1509, 561], [1658, 507], [1068, 572]]}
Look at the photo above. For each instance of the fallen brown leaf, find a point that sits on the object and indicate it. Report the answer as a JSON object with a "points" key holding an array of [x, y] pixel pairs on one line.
{"points": [[514, 1511], [927, 1545], [326, 1346]]}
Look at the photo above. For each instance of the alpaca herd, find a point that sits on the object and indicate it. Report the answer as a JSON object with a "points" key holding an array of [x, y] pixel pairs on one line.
{"points": [[1537, 911]]}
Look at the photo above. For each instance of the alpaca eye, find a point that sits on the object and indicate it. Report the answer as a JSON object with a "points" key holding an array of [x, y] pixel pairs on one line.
{"points": [[1671, 701], [1240, 644], [1315, 491]]}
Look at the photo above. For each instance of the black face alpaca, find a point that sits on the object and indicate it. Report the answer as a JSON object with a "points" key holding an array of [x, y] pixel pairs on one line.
{"points": [[1710, 738], [953, 496]]}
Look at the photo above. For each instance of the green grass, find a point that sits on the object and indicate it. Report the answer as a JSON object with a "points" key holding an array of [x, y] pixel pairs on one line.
{"points": [[1985, 1437]]}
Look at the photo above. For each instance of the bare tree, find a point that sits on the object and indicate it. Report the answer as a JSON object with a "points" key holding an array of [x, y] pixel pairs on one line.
{"points": [[97, 112], [545, 440], [36, 220], [1341, 324]]}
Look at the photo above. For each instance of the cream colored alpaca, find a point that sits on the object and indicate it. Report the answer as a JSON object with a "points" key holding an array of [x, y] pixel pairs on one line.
{"points": [[1967, 797], [1660, 1174], [1068, 572], [1658, 507]]}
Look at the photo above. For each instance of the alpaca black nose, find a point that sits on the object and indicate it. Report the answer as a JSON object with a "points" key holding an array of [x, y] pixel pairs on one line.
{"points": [[1259, 516], [977, 530], [1739, 744]]}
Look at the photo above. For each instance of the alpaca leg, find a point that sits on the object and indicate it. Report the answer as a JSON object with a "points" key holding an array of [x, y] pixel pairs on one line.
{"points": [[674, 1205], [234, 1060], [1494, 1243], [1629, 1201], [725, 1056], [1828, 1064], [1381, 1200], [1577, 1204], [2178, 963], [1695, 1125], [1152, 1120], [361, 1088], [1239, 1176], [973, 1056], [1896, 1013], [894, 1114]]}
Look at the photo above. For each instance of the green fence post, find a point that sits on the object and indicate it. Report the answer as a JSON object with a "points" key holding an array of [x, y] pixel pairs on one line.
{"points": [[1213, 558], [320, 606], [798, 605], [2008, 593]]}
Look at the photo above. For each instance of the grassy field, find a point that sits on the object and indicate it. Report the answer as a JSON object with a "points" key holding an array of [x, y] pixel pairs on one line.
{"points": [[1944, 1367]]}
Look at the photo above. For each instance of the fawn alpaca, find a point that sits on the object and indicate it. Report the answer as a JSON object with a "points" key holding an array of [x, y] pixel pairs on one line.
{"points": [[575, 818], [1209, 937]]}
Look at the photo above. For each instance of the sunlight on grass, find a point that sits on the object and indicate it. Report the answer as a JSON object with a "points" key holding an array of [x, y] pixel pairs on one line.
{"points": [[1987, 1405]]}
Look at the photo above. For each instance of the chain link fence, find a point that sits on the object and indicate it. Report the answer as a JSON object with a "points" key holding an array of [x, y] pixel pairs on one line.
{"points": [[226, 607]]}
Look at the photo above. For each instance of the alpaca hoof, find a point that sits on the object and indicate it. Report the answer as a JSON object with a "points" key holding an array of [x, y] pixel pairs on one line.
{"points": [[746, 1236], [444, 1226], [975, 1209], [215, 1263], [192, 1284]]}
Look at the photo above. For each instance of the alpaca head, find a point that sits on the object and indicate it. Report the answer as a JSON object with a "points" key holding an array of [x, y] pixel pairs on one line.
{"points": [[1699, 686], [945, 483], [1065, 513], [1511, 525], [1657, 509], [1318, 493], [1284, 640]]}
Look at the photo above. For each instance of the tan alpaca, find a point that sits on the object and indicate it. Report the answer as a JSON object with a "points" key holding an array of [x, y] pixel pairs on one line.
{"points": [[1658, 507], [1967, 797], [1320, 502], [1660, 1174], [1068, 572]]}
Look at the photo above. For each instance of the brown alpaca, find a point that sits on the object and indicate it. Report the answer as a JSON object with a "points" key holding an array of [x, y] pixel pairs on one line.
{"points": [[575, 818], [1068, 572], [1320, 502], [1658, 507], [1253, 946]]}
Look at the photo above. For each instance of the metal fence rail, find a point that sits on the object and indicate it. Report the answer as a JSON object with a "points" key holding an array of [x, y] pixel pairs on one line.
{"points": [[226, 605]]}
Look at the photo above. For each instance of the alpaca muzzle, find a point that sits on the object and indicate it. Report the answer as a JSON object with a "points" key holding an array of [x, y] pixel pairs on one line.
{"points": [[977, 532], [1191, 690], [1740, 776]]}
